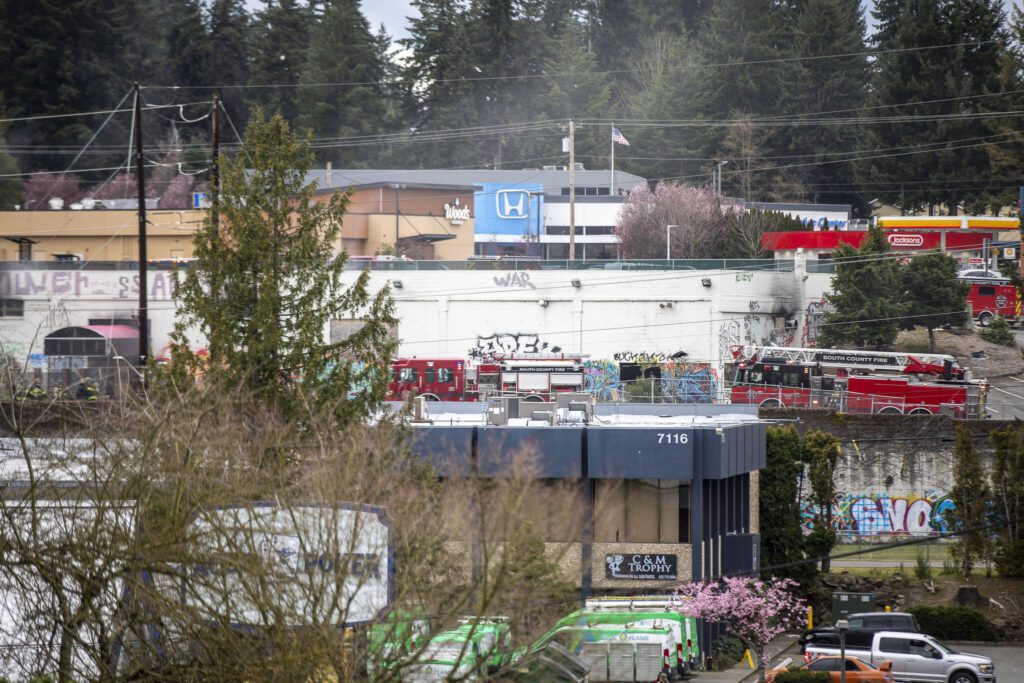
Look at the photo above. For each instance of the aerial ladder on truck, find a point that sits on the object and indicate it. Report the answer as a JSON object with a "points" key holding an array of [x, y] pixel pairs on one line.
{"points": [[935, 364], [859, 382]]}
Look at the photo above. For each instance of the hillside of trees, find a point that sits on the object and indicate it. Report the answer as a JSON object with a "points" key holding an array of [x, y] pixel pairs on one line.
{"points": [[798, 97]]}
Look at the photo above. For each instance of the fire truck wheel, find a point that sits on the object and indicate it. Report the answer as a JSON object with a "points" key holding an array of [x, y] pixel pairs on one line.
{"points": [[534, 398], [984, 319], [920, 411], [890, 410], [771, 403]]}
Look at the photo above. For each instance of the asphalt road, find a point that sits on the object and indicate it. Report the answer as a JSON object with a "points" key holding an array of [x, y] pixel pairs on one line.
{"points": [[1006, 399], [1009, 659]]}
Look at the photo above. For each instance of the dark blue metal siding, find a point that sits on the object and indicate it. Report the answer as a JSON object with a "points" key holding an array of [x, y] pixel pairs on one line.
{"points": [[543, 452], [641, 453], [448, 449]]}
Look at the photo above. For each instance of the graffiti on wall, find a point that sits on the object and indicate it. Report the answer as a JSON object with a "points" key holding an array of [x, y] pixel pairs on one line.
{"points": [[813, 320], [514, 279], [84, 283], [509, 342], [679, 380], [647, 357], [689, 382], [879, 514], [601, 378], [753, 328]]}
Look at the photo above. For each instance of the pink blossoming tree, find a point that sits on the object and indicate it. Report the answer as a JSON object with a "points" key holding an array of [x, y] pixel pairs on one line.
{"points": [[753, 610]]}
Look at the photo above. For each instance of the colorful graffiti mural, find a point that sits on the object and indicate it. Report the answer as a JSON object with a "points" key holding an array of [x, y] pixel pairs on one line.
{"points": [[879, 514], [601, 378], [679, 381]]}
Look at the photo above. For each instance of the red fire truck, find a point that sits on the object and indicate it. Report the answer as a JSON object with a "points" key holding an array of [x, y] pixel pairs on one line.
{"points": [[532, 376], [994, 297], [856, 381]]}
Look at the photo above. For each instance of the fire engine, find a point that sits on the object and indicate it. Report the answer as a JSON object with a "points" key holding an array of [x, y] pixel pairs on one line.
{"points": [[535, 377], [991, 298], [856, 381]]}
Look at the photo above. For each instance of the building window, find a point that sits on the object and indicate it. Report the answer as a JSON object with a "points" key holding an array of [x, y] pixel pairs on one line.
{"points": [[557, 229], [66, 258], [12, 308], [600, 230], [25, 251], [606, 252]]}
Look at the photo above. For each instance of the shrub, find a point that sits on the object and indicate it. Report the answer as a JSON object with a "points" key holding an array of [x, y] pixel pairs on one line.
{"points": [[998, 332], [1010, 559], [801, 676], [922, 568], [954, 623], [726, 652]]}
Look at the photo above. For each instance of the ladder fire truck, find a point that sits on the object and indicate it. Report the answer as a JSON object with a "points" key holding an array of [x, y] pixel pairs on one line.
{"points": [[856, 381], [533, 376]]}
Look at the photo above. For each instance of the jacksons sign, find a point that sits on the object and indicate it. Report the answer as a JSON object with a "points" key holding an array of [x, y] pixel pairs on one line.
{"points": [[642, 567]]}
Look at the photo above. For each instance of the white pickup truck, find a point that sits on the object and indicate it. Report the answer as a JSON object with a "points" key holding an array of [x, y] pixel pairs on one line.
{"points": [[916, 657]]}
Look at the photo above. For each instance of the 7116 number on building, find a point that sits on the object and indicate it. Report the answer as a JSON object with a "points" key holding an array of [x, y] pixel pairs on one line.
{"points": [[673, 437]]}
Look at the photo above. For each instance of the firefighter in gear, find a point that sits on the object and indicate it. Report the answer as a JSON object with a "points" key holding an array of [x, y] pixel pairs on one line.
{"points": [[36, 391], [87, 390]]}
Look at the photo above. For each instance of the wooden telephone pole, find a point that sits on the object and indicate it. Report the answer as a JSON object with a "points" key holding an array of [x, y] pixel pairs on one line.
{"points": [[140, 172]]}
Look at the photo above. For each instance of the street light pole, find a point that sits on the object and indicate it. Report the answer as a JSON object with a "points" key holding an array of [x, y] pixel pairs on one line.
{"points": [[718, 176], [668, 241], [841, 626]]}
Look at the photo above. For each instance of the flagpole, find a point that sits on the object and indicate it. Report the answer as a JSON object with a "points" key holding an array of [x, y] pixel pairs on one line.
{"points": [[611, 184]]}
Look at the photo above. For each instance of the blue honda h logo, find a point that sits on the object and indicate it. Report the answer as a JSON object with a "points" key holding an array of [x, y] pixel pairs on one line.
{"points": [[512, 203]]}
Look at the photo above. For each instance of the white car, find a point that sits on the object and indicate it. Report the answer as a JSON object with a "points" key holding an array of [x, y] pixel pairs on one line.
{"points": [[981, 274]]}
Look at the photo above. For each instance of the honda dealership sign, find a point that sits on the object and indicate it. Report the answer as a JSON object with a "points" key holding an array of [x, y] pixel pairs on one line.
{"points": [[509, 213]]}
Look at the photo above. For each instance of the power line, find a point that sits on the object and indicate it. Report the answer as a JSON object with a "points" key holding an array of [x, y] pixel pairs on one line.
{"points": [[470, 79]]}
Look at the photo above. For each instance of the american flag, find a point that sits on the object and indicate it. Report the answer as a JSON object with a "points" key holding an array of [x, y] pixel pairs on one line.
{"points": [[618, 137]]}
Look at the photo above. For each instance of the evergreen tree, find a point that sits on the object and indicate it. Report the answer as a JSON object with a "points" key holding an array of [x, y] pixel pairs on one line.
{"points": [[280, 38], [577, 92], [188, 47], [441, 55], [267, 282], [866, 295], [821, 453], [343, 50], [742, 31], [652, 88], [782, 538], [824, 27], [960, 76], [63, 58], [934, 293], [1008, 498], [971, 497], [230, 54], [11, 189], [973, 73]]}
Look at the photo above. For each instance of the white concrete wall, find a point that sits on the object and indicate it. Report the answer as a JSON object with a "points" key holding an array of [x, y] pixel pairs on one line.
{"points": [[613, 315]]}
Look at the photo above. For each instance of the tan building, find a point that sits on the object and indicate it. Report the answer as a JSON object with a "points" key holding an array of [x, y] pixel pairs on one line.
{"points": [[95, 235], [427, 221]]}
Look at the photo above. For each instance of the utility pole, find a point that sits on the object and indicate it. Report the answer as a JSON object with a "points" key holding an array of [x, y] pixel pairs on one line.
{"points": [[140, 171], [572, 191], [215, 144]]}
